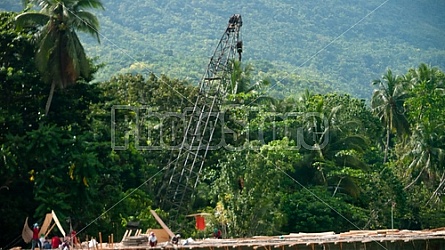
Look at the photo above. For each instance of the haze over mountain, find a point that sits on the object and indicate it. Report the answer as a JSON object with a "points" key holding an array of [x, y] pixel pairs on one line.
{"points": [[317, 45]]}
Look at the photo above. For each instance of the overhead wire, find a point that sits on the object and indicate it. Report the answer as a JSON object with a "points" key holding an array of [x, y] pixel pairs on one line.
{"points": [[323, 201], [302, 64], [13, 242], [122, 199], [328, 45]]}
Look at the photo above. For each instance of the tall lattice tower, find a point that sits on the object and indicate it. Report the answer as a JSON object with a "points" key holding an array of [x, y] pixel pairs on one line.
{"points": [[183, 171]]}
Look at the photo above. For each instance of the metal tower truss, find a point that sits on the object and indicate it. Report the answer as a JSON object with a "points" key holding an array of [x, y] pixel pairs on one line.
{"points": [[183, 171]]}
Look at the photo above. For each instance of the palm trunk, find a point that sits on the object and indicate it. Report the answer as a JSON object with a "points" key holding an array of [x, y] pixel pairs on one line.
{"points": [[50, 98], [336, 188], [53, 83], [385, 158]]}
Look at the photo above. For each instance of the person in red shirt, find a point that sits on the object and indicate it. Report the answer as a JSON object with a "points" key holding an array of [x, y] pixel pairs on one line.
{"points": [[55, 242], [217, 233], [35, 237], [74, 237]]}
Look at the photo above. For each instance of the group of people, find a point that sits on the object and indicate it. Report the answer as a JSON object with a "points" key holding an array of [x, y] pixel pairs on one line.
{"points": [[56, 243], [153, 240], [43, 243]]}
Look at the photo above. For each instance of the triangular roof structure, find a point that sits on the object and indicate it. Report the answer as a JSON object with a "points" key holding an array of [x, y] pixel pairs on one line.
{"points": [[46, 228]]}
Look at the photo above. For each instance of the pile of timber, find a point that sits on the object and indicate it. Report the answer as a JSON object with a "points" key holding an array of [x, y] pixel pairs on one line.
{"points": [[135, 240], [294, 239], [364, 237]]}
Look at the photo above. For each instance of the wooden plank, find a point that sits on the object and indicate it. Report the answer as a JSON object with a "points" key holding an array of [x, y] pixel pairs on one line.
{"points": [[58, 223], [159, 220], [198, 214], [160, 233], [49, 230], [46, 224], [125, 235]]}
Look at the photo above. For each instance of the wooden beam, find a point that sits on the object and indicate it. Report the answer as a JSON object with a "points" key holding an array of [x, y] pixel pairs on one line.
{"points": [[49, 230], [46, 223], [159, 220], [58, 223]]}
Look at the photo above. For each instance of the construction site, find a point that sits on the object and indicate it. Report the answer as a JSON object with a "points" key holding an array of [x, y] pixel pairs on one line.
{"points": [[353, 240], [182, 176], [388, 239]]}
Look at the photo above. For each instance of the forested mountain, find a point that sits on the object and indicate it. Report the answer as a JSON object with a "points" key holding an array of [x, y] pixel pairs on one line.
{"points": [[318, 45]]}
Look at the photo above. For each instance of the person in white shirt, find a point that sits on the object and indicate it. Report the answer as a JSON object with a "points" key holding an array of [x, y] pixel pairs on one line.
{"points": [[152, 240], [42, 239]]}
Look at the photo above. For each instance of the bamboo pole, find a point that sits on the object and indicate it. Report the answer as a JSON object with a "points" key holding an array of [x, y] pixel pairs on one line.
{"points": [[100, 240]]}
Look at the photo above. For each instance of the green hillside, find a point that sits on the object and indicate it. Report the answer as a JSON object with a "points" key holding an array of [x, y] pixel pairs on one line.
{"points": [[320, 45]]}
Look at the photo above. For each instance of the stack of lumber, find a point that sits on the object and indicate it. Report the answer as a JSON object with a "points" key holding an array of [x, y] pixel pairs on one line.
{"points": [[135, 240], [309, 239], [358, 238]]}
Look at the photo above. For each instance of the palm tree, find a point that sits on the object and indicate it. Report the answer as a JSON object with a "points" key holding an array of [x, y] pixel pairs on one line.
{"points": [[240, 78], [242, 90], [388, 103], [424, 152], [60, 57], [337, 147], [426, 73]]}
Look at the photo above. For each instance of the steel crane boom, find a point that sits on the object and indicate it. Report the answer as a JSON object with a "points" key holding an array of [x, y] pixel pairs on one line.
{"points": [[183, 171]]}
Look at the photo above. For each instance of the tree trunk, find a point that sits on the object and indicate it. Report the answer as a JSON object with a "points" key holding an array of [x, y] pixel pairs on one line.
{"points": [[50, 98], [385, 158]]}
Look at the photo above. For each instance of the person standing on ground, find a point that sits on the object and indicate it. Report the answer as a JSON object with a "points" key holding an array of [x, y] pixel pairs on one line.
{"points": [[35, 237]]}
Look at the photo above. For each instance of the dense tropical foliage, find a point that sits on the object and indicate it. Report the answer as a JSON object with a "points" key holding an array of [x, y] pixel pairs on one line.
{"points": [[310, 162]]}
